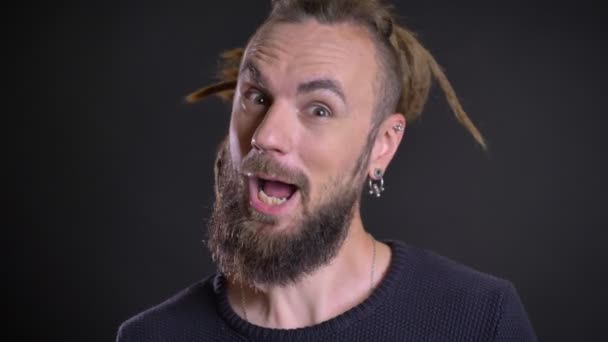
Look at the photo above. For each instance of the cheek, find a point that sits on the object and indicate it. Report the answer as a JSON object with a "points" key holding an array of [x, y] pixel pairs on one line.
{"points": [[236, 152], [241, 132], [330, 159]]}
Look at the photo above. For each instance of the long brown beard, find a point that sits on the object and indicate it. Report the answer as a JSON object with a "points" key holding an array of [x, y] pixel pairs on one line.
{"points": [[243, 247]]}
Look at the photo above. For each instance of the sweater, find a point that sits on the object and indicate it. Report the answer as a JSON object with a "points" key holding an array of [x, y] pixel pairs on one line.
{"points": [[423, 297]]}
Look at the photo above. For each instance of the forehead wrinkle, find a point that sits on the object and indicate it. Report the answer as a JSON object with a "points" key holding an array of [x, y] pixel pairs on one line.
{"points": [[260, 54], [319, 65], [250, 70], [323, 53], [313, 54], [265, 49], [272, 43]]}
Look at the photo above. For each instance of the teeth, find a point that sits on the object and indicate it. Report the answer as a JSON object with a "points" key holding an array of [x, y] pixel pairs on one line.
{"points": [[269, 199]]}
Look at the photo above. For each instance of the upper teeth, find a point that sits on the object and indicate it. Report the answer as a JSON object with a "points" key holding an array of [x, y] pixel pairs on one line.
{"points": [[269, 199]]}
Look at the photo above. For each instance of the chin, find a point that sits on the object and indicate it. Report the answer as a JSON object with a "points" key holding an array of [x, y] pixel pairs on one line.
{"points": [[270, 225]]}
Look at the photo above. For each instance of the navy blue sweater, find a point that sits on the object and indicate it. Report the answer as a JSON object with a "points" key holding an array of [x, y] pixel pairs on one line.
{"points": [[423, 297]]}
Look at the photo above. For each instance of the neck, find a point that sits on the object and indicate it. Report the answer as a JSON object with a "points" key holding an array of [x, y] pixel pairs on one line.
{"points": [[326, 293]]}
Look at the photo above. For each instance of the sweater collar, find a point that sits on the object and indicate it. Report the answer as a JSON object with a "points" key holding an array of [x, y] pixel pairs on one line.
{"points": [[327, 329]]}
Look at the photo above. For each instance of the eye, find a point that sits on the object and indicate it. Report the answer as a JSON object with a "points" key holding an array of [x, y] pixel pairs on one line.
{"points": [[257, 97], [319, 110]]}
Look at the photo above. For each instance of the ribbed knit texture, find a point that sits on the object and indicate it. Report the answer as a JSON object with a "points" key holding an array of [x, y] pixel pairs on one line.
{"points": [[423, 297]]}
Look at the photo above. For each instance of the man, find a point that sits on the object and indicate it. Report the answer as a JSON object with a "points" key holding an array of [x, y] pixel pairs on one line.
{"points": [[320, 99]]}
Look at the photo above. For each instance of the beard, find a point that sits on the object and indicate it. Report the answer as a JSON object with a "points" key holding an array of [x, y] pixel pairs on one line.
{"points": [[241, 240]]}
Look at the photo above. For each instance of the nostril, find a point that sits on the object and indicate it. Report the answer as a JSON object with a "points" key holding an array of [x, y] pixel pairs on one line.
{"points": [[256, 146]]}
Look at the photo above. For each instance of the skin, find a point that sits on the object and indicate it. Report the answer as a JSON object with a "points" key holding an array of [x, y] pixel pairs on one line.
{"points": [[320, 129]]}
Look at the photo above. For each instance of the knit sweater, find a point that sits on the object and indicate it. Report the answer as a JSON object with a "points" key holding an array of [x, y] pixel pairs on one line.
{"points": [[422, 297]]}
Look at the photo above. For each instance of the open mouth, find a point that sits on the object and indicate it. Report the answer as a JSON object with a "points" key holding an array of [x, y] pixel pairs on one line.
{"points": [[275, 192], [271, 196]]}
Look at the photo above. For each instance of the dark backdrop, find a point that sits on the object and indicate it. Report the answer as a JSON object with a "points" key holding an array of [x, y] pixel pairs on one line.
{"points": [[114, 171]]}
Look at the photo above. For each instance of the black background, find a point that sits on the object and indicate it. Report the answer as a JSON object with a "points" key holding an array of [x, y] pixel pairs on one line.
{"points": [[114, 171]]}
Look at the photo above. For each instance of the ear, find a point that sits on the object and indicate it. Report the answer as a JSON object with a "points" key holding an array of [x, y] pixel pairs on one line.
{"points": [[387, 141]]}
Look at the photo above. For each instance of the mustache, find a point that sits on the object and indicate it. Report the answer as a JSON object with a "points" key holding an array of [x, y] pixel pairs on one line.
{"points": [[262, 163]]}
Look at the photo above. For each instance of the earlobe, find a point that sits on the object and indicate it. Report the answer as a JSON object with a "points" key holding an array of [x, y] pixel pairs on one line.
{"points": [[376, 183]]}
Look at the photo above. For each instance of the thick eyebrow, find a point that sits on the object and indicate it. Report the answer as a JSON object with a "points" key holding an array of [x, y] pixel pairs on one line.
{"points": [[250, 68], [327, 84]]}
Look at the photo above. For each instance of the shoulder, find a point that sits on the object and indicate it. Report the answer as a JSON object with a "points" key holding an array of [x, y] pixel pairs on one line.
{"points": [[443, 288], [179, 315], [434, 270]]}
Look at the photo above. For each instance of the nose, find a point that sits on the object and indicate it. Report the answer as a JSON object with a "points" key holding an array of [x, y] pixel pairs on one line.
{"points": [[275, 133]]}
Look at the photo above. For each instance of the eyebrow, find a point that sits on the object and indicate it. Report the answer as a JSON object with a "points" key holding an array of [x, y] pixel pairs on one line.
{"points": [[327, 84], [249, 67], [254, 72]]}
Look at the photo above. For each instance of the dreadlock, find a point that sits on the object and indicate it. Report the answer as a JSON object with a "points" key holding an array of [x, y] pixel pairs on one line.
{"points": [[407, 67]]}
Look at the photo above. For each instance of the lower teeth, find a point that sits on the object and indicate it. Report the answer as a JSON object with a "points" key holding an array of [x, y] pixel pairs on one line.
{"points": [[269, 199]]}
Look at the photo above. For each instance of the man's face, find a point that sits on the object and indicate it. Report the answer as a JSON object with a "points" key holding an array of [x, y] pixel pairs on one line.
{"points": [[292, 172]]}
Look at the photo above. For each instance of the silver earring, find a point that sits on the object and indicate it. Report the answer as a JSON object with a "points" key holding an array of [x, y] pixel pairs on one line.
{"points": [[398, 127], [376, 184]]}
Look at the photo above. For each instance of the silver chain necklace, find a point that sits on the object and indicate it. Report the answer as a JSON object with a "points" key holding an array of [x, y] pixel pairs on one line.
{"points": [[371, 285]]}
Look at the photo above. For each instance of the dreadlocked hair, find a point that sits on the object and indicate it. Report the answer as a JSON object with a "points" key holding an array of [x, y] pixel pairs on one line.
{"points": [[407, 68]]}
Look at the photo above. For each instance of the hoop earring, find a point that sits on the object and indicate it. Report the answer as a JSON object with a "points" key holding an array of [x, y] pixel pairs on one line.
{"points": [[376, 184]]}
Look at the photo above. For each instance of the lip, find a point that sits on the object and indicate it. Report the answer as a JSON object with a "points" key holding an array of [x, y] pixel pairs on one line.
{"points": [[267, 177], [273, 210]]}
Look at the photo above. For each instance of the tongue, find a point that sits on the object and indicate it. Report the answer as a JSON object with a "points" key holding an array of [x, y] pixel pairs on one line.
{"points": [[278, 189]]}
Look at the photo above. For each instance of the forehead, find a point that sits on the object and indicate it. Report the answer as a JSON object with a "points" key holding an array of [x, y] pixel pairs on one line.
{"points": [[302, 51]]}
